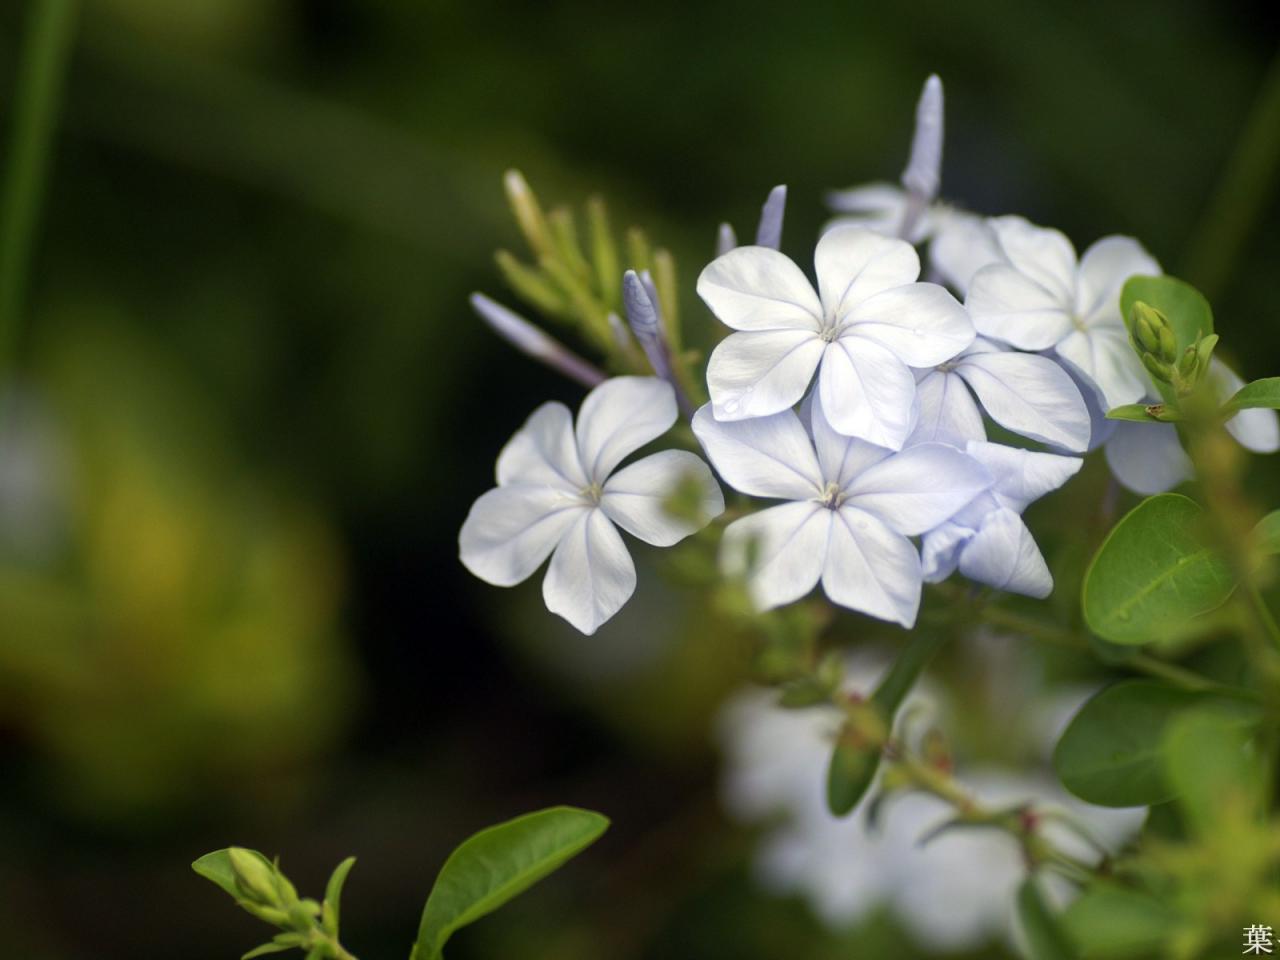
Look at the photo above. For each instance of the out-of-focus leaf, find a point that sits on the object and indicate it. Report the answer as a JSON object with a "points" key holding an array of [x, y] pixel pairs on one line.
{"points": [[1267, 532], [853, 767], [1109, 922], [1152, 574], [1211, 764], [498, 863], [1112, 753], [1260, 393], [1044, 936]]}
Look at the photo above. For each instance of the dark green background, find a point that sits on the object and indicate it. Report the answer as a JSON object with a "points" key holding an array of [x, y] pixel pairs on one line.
{"points": [[277, 208]]}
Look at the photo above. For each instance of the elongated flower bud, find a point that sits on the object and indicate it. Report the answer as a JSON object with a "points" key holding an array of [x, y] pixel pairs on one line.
{"points": [[769, 232], [923, 176], [640, 299], [531, 340], [1153, 333], [726, 240]]}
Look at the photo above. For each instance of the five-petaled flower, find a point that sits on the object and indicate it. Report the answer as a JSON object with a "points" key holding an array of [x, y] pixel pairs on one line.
{"points": [[1023, 392], [988, 540], [852, 506], [557, 491], [863, 329], [1039, 297]]}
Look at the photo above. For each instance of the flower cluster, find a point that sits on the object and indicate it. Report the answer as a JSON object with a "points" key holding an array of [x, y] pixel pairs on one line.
{"points": [[860, 400]]}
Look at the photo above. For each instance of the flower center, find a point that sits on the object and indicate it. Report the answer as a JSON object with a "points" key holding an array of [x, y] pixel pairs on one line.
{"points": [[831, 328], [832, 496], [1078, 323], [592, 494], [948, 366]]}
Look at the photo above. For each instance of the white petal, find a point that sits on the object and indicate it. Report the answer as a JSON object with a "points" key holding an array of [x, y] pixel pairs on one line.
{"points": [[867, 392], [962, 246], [756, 374], [1020, 477], [756, 288], [872, 569], [882, 201], [940, 550], [853, 264], [619, 417], [919, 488], [923, 174], [762, 457], [591, 574], [635, 497], [1043, 254], [510, 530], [1104, 268], [1003, 555], [921, 323], [1006, 304], [789, 544], [947, 412], [1103, 356], [1255, 429], [1147, 457], [841, 458], [544, 452], [1030, 395]]}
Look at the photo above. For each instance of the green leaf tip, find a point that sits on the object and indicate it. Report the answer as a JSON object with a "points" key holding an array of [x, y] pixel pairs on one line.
{"points": [[499, 863]]}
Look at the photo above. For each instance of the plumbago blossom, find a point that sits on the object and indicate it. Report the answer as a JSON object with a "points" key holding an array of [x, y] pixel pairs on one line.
{"points": [[953, 892], [861, 331], [850, 508], [558, 495]]}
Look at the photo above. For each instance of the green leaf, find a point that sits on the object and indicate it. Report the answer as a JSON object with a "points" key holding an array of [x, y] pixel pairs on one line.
{"points": [[1110, 922], [1267, 533], [1112, 752], [1186, 309], [1152, 574], [333, 895], [218, 868], [1260, 393], [498, 863], [267, 948], [1045, 938], [853, 767], [1211, 763], [1136, 412]]}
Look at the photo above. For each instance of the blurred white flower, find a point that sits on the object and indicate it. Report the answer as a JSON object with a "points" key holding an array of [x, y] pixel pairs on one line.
{"points": [[954, 893], [557, 491], [863, 329], [851, 507], [988, 541], [1023, 392], [1040, 298]]}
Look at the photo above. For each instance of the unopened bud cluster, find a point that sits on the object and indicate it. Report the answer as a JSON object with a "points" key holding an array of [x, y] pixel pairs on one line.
{"points": [[1158, 347]]}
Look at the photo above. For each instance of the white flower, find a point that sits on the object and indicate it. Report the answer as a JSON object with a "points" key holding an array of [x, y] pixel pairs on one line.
{"points": [[775, 773], [1148, 458], [1024, 392], [851, 507], [865, 327], [987, 540], [1041, 298], [557, 490]]}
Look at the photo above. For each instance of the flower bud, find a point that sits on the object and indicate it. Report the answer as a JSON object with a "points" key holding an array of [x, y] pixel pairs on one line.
{"points": [[1158, 369], [1188, 364], [254, 876], [1153, 333]]}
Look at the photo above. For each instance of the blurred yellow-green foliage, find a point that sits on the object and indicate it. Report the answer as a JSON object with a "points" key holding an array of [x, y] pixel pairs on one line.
{"points": [[252, 408]]}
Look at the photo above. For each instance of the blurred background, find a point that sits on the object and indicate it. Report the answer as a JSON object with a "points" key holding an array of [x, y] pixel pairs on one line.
{"points": [[251, 408]]}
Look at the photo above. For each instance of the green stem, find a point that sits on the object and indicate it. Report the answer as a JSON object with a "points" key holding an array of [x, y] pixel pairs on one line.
{"points": [[902, 676], [1243, 193], [37, 96]]}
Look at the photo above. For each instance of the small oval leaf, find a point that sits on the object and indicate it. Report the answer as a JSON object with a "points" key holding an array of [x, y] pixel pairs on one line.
{"points": [[1267, 533], [1112, 752], [853, 767], [1260, 393], [498, 863], [1110, 922], [1153, 573]]}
